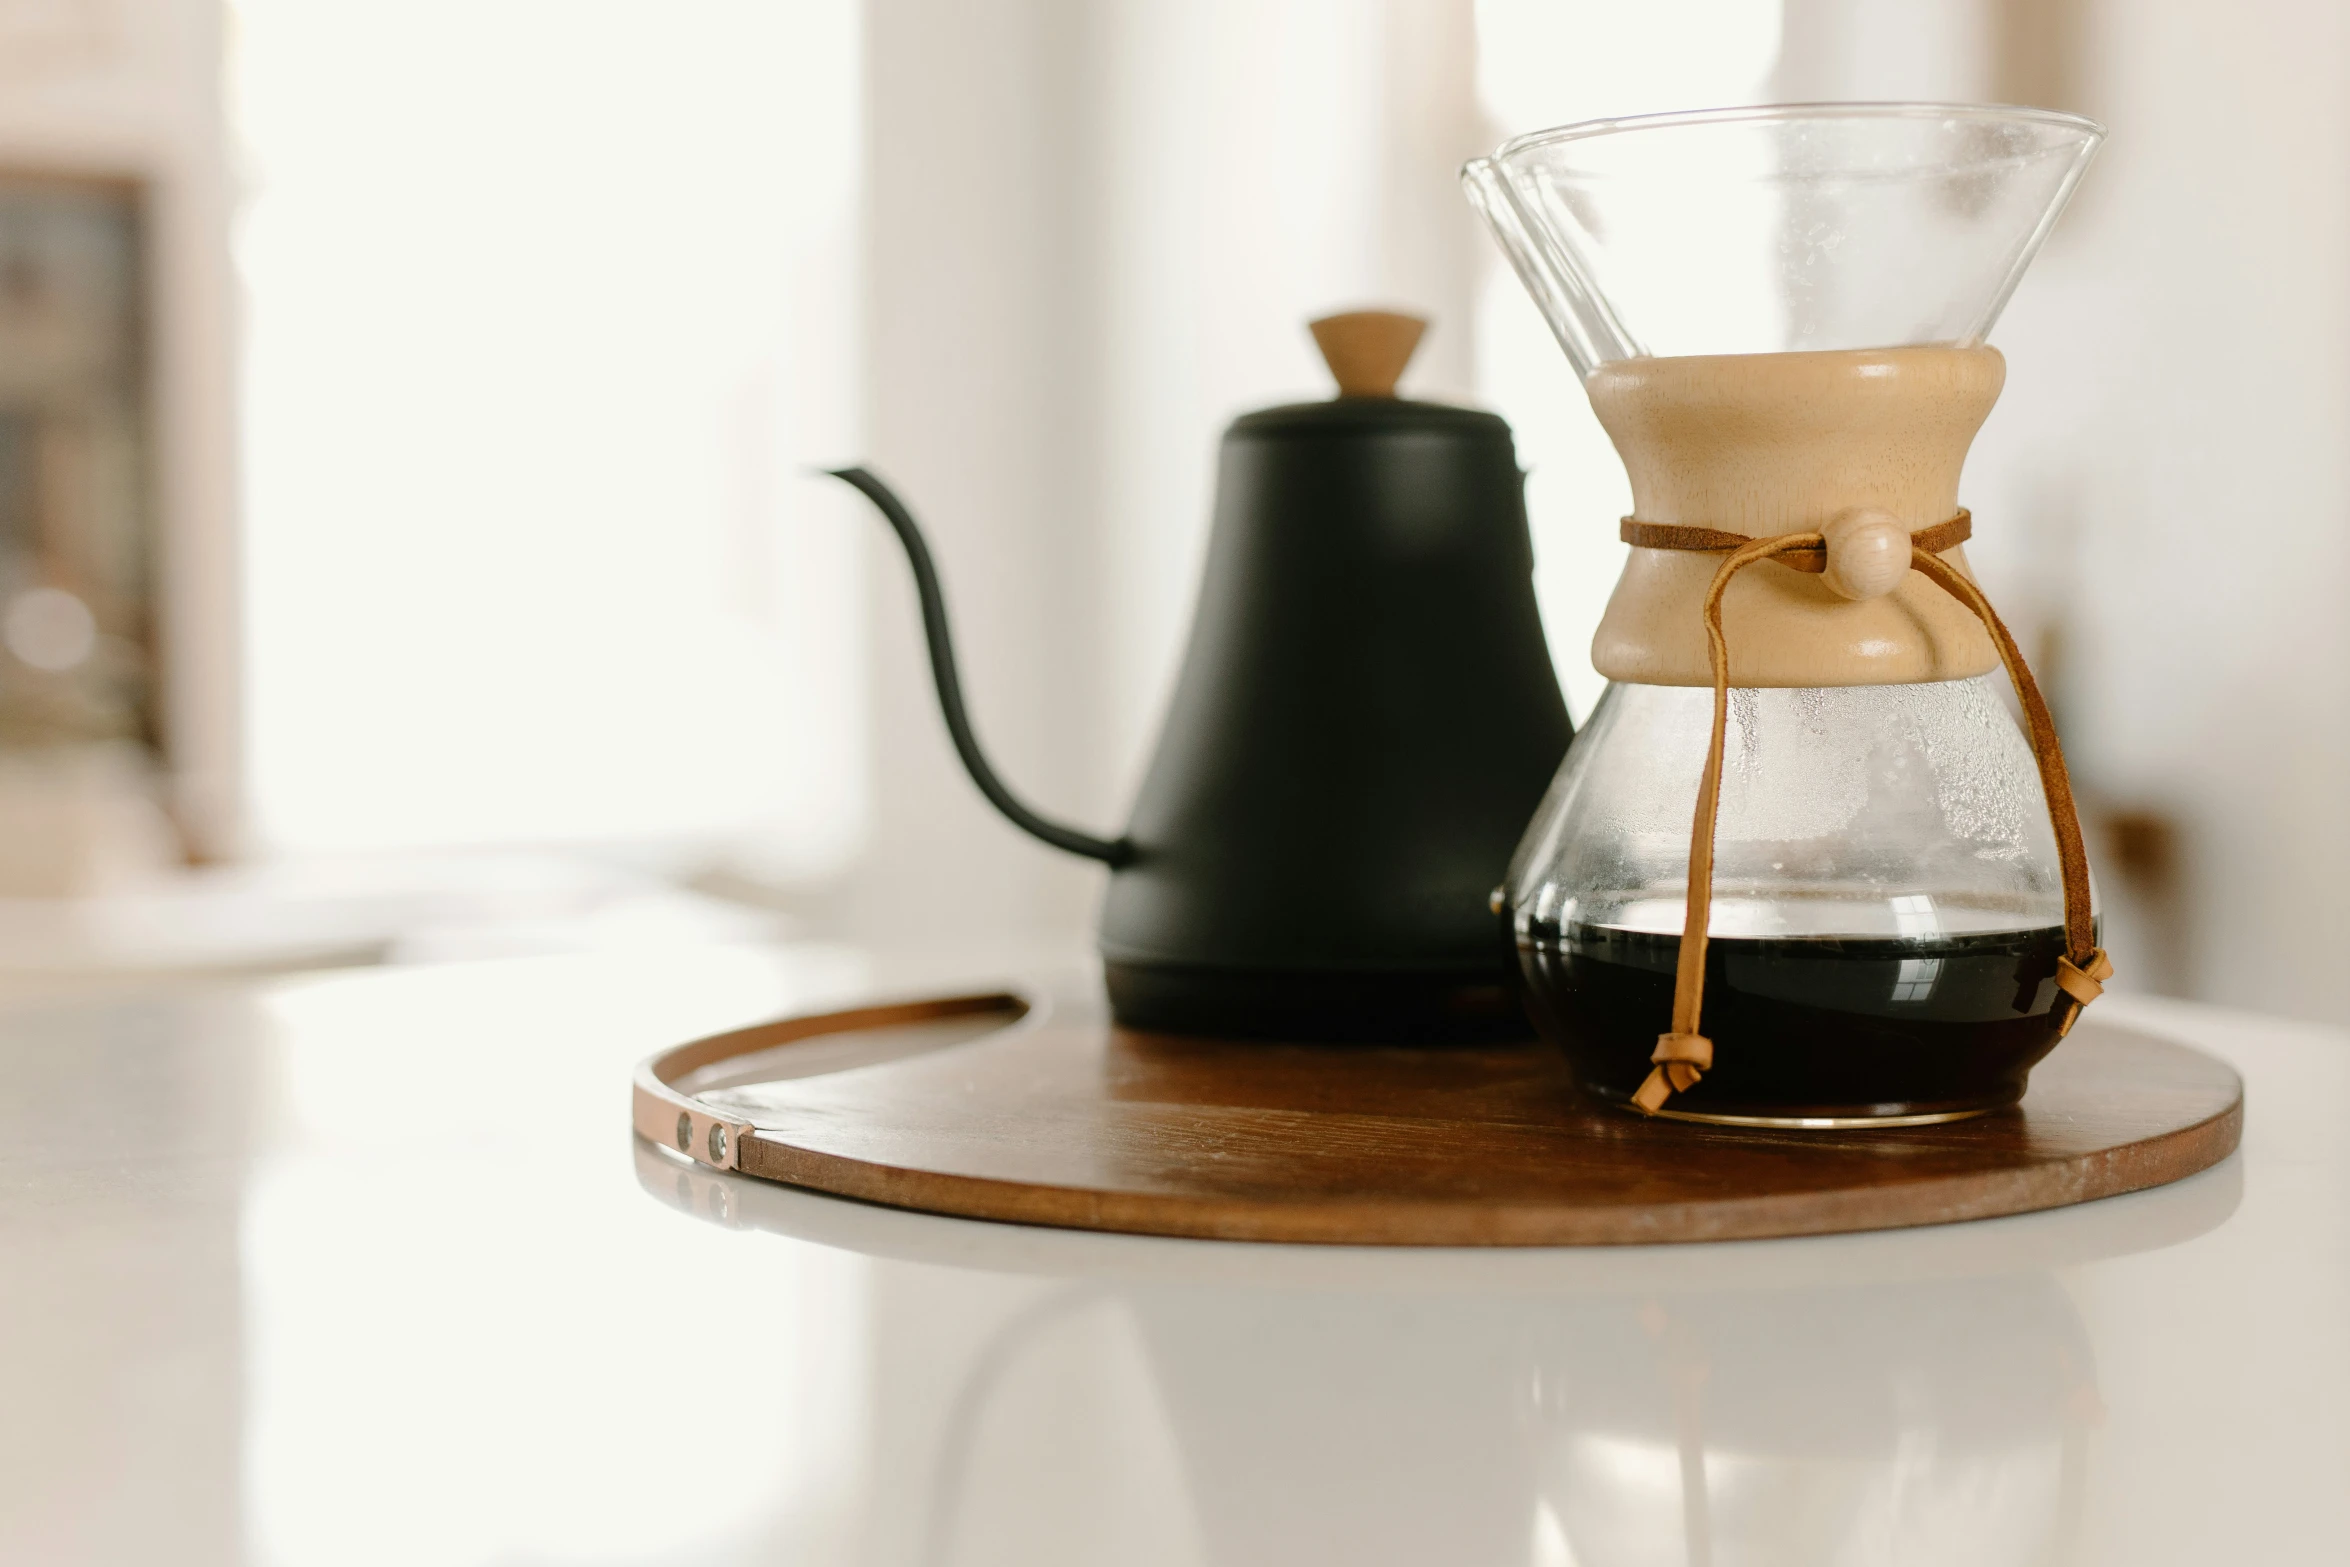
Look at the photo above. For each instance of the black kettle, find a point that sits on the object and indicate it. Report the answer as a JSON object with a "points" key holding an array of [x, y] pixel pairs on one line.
{"points": [[1366, 717]]}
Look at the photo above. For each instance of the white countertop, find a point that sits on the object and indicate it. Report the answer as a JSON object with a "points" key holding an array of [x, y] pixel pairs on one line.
{"points": [[364, 1267]]}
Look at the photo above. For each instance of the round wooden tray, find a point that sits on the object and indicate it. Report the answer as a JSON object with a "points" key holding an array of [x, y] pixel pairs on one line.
{"points": [[1030, 1107]]}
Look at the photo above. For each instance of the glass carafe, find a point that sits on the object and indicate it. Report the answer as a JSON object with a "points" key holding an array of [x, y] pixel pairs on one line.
{"points": [[1780, 316]]}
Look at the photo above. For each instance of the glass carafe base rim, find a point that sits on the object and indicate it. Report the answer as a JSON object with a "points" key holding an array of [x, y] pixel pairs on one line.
{"points": [[1808, 1123]]}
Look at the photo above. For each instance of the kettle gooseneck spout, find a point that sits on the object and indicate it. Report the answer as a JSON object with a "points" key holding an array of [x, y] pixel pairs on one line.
{"points": [[1113, 852]]}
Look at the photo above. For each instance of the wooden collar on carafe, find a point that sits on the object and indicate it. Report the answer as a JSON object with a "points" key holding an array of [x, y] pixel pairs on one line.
{"points": [[1859, 554]]}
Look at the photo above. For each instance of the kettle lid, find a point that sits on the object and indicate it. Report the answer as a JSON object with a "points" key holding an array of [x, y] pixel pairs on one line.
{"points": [[1366, 351]]}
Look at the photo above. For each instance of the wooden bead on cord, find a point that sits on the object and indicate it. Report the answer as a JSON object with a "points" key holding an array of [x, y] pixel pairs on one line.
{"points": [[1868, 553]]}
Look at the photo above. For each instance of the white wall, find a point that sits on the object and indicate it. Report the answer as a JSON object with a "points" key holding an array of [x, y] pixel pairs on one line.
{"points": [[547, 304], [2177, 435], [2161, 493], [1095, 233], [978, 287]]}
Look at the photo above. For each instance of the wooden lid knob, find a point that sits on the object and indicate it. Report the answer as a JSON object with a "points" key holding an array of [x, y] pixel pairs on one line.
{"points": [[1367, 349]]}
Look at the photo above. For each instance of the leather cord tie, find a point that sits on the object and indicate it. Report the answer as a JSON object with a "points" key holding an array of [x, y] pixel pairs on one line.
{"points": [[1684, 1055]]}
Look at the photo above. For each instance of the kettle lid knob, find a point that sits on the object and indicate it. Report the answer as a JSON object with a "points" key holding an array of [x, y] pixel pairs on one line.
{"points": [[1367, 349]]}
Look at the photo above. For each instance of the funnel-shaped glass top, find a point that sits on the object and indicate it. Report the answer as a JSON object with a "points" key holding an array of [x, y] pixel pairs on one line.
{"points": [[1810, 226]]}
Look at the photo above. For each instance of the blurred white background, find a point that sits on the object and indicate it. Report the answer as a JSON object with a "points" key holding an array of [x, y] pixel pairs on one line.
{"points": [[544, 305], [493, 341]]}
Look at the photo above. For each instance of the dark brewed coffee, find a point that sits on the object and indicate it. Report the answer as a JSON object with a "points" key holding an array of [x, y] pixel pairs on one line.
{"points": [[1807, 1027]]}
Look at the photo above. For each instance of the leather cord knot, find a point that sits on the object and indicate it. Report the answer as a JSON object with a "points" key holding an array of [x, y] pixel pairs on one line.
{"points": [[2081, 983], [1681, 1059], [1684, 1055]]}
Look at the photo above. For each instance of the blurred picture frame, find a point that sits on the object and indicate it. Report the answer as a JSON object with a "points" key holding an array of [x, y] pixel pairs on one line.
{"points": [[79, 546]]}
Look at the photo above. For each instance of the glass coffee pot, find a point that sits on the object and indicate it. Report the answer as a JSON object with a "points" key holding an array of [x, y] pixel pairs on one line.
{"points": [[1802, 867]]}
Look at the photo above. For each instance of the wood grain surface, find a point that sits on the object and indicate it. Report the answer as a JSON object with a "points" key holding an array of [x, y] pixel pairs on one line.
{"points": [[1057, 1118]]}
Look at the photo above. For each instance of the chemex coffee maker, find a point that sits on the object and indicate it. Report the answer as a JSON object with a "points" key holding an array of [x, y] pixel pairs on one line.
{"points": [[1803, 869], [1365, 719]]}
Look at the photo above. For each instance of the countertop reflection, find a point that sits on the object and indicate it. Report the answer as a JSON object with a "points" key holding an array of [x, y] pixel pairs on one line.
{"points": [[1925, 1396], [365, 1267]]}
